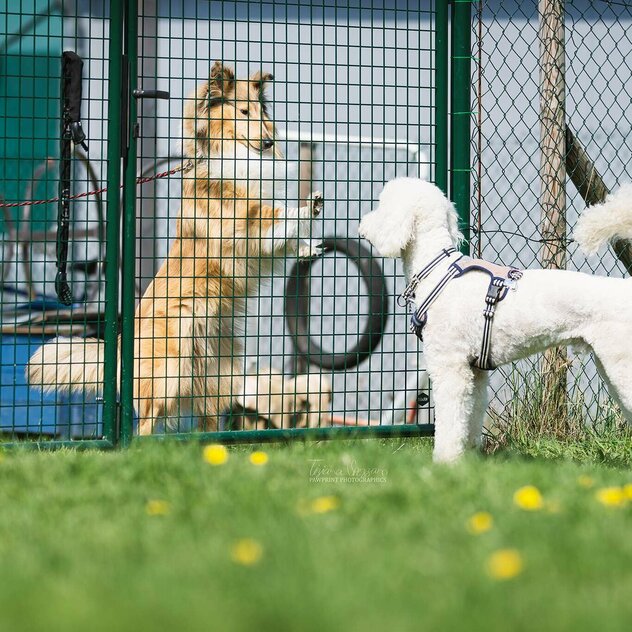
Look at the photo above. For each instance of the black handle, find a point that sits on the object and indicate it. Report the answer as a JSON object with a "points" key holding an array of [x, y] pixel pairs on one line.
{"points": [[151, 94], [72, 67]]}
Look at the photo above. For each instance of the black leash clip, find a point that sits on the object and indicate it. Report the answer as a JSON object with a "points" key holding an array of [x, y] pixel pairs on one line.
{"points": [[78, 135]]}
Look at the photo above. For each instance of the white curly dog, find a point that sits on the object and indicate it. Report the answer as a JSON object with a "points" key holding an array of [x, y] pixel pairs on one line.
{"points": [[415, 221]]}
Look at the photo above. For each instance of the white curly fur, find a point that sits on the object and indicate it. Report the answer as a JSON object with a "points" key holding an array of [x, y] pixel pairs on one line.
{"points": [[415, 221], [603, 223]]}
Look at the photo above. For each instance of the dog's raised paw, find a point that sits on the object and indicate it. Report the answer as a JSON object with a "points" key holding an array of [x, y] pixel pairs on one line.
{"points": [[309, 251], [316, 202]]}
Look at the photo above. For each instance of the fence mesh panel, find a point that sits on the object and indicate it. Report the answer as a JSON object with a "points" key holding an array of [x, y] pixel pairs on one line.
{"points": [[34, 35], [506, 176], [352, 100], [356, 100], [353, 103]]}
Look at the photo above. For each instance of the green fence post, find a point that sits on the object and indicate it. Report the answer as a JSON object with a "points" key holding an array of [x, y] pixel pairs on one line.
{"points": [[441, 96], [460, 169], [128, 284], [110, 370]]}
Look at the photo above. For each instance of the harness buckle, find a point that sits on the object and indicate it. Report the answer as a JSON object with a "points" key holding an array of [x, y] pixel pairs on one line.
{"points": [[493, 293], [511, 284]]}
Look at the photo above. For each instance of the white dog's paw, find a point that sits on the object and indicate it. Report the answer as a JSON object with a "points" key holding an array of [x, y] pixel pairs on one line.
{"points": [[309, 250], [316, 203]]}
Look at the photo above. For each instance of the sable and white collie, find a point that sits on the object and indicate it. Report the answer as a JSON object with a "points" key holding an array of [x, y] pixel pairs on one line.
{"points": [[227, 236]]}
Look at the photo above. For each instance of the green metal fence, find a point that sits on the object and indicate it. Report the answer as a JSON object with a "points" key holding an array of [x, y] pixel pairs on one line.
{"points": [[359, 96], [443, 90], [34, 35]]}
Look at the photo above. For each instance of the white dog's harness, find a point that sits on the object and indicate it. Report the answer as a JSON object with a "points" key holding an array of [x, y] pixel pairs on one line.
{"points": [[502, 279]]}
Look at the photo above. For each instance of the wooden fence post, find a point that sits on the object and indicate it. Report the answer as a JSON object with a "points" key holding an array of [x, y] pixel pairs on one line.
{"points": [[553, 192]]}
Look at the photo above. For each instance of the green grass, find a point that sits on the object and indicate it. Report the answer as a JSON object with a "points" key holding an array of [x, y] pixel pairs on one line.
{"points": [[584, 425], [78, 550]]}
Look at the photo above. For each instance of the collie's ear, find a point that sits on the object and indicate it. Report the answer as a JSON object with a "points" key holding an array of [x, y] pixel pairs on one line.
{"points": [[259, 80], [222, 81], [390, 231]]}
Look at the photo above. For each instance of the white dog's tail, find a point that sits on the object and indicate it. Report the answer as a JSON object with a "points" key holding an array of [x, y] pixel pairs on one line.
{"points": [[603, 223], [67, 364]]}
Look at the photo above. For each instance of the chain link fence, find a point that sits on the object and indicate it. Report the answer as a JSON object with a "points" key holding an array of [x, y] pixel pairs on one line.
{"points": [[509, 68]]}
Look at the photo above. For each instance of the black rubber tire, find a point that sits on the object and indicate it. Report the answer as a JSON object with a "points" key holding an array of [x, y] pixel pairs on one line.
{"points": [[297, 307]]}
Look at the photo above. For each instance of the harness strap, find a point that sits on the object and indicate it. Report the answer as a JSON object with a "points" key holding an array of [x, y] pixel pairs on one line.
{"points": [[419, 317], [408, 294], [502, 279], [495, 293]]}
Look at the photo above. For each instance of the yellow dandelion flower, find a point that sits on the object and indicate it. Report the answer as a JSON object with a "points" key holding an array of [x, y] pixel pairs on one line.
{"points": [[627, 490], [215, 454], [246, 552], [505, 564], [611, 496], [480, 522], [320, 505], [258, 458], [585, 481], [157, 507], [528, 498], [324, 504]]}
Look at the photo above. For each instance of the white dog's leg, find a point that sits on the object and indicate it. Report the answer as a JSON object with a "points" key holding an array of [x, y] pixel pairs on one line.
{"points": [[292, 225], [454, 396], [479, 408], [618, 379]]}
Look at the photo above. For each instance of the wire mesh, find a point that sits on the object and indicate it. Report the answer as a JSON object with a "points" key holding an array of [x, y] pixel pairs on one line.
{"points": [[205, 329], [273, 343], [506, 142], [31, 108], [352, 101]]}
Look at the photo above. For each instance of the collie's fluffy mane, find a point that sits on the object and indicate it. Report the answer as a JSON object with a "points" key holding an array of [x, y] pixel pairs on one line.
{"points": [[228, 145]]}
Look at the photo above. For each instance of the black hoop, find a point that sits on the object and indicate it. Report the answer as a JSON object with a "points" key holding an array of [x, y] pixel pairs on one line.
{"points": [[297, 307]]}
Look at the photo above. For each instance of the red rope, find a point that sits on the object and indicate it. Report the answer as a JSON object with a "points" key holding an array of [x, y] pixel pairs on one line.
{"points": [[76, 196]]}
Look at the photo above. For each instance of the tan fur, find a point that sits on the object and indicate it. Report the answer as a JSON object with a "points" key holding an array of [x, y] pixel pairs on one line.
{"points": [[68, 362], [301, 400], [310, 393], [184, 342]]}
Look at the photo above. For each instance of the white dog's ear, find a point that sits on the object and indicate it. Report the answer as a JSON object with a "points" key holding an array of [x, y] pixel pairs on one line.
{"points": [[453, 226], [389, 231]]}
